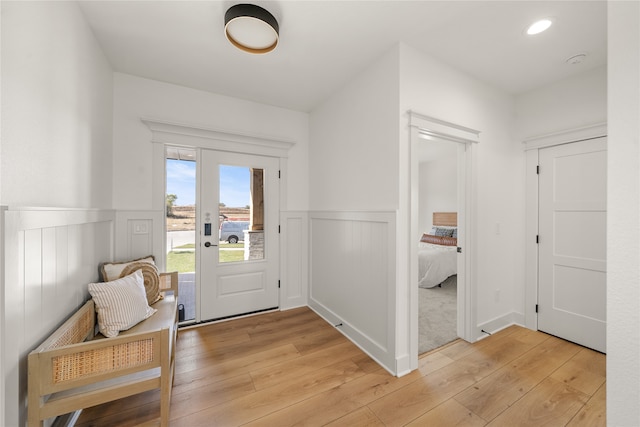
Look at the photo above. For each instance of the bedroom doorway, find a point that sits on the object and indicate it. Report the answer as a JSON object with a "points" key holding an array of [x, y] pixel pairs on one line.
{"points": [[437, 243], [459, 143]]}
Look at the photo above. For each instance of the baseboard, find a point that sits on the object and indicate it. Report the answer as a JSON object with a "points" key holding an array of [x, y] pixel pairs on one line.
{"points": [[403, 365], [492, 326], [355, 336]]}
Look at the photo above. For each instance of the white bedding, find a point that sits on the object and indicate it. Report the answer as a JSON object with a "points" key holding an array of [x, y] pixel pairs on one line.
{"points": [[435, 264]]}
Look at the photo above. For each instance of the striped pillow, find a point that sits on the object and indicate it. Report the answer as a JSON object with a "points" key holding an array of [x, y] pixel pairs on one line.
{"points": [[121, 304]]}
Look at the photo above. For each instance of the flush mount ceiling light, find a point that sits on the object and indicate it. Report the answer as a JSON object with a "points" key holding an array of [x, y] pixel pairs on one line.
{"points": [[538, 27], [251, 28]]}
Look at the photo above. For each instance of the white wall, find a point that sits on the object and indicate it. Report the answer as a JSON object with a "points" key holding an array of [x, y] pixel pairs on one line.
{"points": [[353, 152], [136, 98], [438, 177], [568, 104], [353, 173], [56, 109], [623, 231], [56, 151], [435, 89]]}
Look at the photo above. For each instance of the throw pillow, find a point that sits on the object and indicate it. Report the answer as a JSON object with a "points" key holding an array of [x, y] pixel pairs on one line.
{"points": [[116, 270], [121, 304]]}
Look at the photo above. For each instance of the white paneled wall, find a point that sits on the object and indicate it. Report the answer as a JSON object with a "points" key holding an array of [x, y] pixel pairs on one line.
{"points": [[294, 265], [50, 257], [139, 234], [353, 278]]}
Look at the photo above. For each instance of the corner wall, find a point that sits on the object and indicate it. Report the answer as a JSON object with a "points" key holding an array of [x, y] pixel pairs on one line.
{"points": [[623, 230], [353, 172]]}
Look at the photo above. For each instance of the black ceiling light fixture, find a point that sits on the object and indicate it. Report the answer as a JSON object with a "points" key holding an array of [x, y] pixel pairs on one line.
{"points": [[251, 28]]}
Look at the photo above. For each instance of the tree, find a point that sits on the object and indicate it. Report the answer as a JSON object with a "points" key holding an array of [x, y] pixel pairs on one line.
{"points": [[171, 198]]}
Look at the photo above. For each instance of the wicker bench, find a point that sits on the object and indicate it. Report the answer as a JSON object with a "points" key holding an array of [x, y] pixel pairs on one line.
{"points": [[76, 368]]}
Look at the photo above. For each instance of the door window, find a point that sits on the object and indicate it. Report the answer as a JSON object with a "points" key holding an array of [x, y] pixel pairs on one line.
{"points": [[241, 211]]}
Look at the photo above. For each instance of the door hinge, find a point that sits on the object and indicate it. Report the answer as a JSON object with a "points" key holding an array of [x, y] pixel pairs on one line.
{"points": [[278, 229], [459, 249], [278, 283], [537, 238], [536, 308], [278, 174], [538, 169]]}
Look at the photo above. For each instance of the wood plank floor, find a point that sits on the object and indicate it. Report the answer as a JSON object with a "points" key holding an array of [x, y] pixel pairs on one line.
{"points": [[292, 368]]}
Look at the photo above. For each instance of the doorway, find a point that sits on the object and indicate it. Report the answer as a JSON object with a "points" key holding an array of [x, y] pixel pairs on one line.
{"points": [[437, 257], [237, 226], [424, 128]]}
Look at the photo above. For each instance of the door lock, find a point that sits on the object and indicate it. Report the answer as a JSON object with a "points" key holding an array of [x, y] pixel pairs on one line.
{"points": [[207, 244]]}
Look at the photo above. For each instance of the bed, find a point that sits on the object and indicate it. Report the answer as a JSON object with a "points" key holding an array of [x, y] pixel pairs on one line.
{"points": [[437, 251]]}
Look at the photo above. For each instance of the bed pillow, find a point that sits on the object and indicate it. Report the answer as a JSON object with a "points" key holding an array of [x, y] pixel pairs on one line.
{"points": [[441, 231], [439, 240], [121, 304], [116, 270]]}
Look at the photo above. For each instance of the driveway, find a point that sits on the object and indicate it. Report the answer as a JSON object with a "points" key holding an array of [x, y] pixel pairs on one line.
{"points": [[179, 238]]}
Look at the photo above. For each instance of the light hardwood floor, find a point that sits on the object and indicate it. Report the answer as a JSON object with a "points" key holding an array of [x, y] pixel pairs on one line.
{"points": [[292, 368]]}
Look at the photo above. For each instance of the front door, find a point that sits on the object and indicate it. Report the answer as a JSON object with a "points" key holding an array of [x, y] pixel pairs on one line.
{"points": [[572, 245], [238, 275]]}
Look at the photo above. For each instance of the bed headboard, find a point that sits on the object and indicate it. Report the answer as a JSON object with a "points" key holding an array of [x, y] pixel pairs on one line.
{"points": [[445, 219]]}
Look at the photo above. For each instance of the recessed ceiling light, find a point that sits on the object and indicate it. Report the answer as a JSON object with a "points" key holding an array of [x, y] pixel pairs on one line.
{"points": [[538, 27]]}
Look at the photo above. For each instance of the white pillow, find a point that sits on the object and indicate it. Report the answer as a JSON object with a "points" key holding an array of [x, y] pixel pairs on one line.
{"points": [[121, 304]]}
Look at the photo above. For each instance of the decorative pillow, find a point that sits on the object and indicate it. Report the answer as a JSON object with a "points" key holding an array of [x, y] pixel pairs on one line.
{"points": [[116, 270], [442, 231], [439, 240], [121, 304]]}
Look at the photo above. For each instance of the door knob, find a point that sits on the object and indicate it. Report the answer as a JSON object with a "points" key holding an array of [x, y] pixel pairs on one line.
{"points": [[207, 244]]}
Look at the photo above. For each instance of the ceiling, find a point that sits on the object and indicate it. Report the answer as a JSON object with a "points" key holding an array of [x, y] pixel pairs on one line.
{"points": [[324, 44]]}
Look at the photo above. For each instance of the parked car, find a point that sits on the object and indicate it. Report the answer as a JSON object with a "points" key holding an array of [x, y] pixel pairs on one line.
{"points": [[233, 231]]}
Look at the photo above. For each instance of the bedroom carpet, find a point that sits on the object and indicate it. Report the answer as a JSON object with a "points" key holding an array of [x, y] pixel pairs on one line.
{"points": [[437, 321]]}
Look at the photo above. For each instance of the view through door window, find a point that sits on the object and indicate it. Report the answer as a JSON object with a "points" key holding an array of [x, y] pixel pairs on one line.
{"points": [[181, 221], [241, 210]]}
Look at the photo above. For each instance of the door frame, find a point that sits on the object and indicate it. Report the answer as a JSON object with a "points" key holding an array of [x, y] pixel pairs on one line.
{"points": [[421, 127], [165, 133], [532, 147]]}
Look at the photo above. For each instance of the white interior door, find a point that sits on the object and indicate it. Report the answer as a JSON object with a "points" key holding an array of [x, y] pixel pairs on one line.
{"points": [[238, 278], [572, 242]]}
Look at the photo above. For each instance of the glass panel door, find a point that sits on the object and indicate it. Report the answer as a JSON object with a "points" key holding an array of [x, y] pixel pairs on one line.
{"points": [[239, 261], [181, 225]]}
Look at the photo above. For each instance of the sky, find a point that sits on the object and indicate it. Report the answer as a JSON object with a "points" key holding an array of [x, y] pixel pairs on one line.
{"points": [[234, 183]]}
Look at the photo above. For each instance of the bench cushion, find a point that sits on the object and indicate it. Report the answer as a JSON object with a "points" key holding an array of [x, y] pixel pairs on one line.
{"points": [[121, 304]]}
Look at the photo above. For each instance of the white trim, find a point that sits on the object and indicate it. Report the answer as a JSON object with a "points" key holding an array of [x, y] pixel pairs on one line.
{"points": [[421, 126], [566, 136], [3, 334], [499, 323], [531, 247], [163, 132], [432, 127]]}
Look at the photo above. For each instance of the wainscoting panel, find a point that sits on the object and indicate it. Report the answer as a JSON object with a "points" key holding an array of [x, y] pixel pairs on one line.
{"points": [[50, 255], [294, 260], [353, 278], [139, 234]]}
